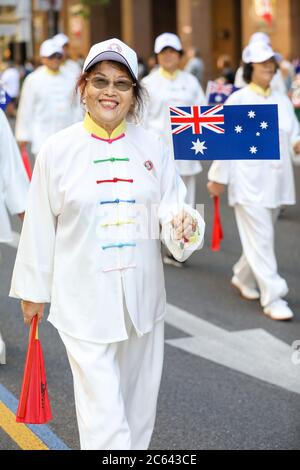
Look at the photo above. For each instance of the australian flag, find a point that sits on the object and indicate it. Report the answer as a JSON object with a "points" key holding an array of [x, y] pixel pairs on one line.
{"points": [[4, 98], [237, 132], [217, 93]]}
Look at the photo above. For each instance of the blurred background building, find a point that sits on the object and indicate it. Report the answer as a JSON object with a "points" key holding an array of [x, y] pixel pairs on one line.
{"points": [[216, 27]]}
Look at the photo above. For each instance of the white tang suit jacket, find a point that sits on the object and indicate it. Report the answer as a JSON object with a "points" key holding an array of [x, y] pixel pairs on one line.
{"points": [[92, 230], [13, 180], [183, 90], [47, 105], [267, 183]]}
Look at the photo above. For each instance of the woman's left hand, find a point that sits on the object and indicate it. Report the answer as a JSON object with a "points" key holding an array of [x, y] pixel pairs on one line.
{"points": [[184, 226], [297, 147]]}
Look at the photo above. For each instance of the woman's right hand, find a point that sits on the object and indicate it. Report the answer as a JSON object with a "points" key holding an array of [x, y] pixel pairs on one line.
{"points": [[215, 189], [30, 309]]}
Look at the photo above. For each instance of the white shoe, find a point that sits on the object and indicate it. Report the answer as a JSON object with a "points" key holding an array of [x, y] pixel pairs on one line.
{"points": [[2, 352], [169, 259], [278, 310], [248, 293]]}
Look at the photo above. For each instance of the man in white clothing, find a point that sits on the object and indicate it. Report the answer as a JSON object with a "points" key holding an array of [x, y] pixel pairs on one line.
{"points": [[48, 102], [170, 86], [68, 65]]}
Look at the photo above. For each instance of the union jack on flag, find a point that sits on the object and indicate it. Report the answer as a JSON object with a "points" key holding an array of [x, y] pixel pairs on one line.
{"points": [[217, 93], [182, 120], [233, 132]]}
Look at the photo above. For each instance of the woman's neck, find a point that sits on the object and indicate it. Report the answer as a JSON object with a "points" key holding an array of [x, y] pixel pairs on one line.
{"points": [[264, 85]]}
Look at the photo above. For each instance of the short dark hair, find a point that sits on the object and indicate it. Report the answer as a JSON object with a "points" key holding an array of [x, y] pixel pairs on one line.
{"points": [[138, 90], [248, 70]]}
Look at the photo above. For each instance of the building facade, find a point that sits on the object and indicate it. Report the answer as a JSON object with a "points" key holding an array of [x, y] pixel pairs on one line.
{"points": [[215, 27]]}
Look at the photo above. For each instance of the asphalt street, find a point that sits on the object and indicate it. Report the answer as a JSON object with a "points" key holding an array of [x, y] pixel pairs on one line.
{"points": [[214, 392]]}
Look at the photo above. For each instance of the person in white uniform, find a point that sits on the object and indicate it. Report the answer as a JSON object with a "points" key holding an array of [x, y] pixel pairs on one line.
{"points": [[257, 188], [104, 192], [68, 65], [170, 86], [47, 102], [13, 189], [277, 83]]}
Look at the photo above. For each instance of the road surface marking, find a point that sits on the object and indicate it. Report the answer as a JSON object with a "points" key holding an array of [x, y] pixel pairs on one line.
{"points": [[40, 432], [253, 352]]}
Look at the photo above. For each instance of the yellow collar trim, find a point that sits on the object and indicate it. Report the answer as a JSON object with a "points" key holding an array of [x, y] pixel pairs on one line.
{"points": [[92, 128], [259, 90], [51, 72], [168, 75]]}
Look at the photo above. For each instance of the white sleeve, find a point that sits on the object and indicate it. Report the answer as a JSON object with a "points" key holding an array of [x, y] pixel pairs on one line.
{"points": [[25, 111], [13, 175], [172, 202], [33, 270], [219, 171]]}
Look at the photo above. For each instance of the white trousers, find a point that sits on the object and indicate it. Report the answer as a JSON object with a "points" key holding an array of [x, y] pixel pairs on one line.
{"points": [[116, 388], [257, 265], [190, 183]]}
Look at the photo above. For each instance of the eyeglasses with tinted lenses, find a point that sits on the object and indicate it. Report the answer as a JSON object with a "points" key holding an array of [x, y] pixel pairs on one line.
{"points": [[56, 55], [121, 85]]}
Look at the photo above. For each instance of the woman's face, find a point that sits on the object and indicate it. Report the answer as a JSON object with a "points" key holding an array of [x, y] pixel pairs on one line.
{"points": [[263, 73], [108, 106], [169, 59]]}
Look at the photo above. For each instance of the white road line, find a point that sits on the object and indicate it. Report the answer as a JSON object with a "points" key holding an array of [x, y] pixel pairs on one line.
{"points": [[253, 352]]}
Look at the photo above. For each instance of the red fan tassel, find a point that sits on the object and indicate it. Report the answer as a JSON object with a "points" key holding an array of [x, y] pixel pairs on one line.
{"points": [[217, 232], [34, 405], [26, 162]]}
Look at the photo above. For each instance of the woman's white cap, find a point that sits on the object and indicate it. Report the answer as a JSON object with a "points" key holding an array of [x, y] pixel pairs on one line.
{"points": [[260, 37], [257, 52], [61, 39], [50, 47], [167, 40], [112, 49]]}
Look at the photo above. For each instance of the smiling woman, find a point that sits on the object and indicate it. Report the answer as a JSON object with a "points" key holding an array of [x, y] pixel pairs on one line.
{"points": [[85, 247], [109, 86]]}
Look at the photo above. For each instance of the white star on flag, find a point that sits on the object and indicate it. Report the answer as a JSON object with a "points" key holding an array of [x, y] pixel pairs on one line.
{"points": [[258, 134], [238, 129], [251, 114], [199, 147], [253, 149], [264, 125]]}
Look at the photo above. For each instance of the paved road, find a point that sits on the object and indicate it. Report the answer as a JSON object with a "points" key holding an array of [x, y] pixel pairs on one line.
{"points": [[228, 379]]}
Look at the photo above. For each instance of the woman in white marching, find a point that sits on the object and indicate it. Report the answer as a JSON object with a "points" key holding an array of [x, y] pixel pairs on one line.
{"points": [[48, 102], [13, 189], [170, 86], [88, 248], [257, 189]]}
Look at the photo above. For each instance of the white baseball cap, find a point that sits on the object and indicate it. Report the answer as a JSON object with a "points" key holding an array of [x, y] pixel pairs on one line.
{"points": [[61, 39], [167, 40], [260, 37], [112, 49], [49, 47], [257, 52]]}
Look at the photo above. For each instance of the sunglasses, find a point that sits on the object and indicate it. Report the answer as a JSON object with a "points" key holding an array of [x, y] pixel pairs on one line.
{"points": [[100, 83], [56, 55]]}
